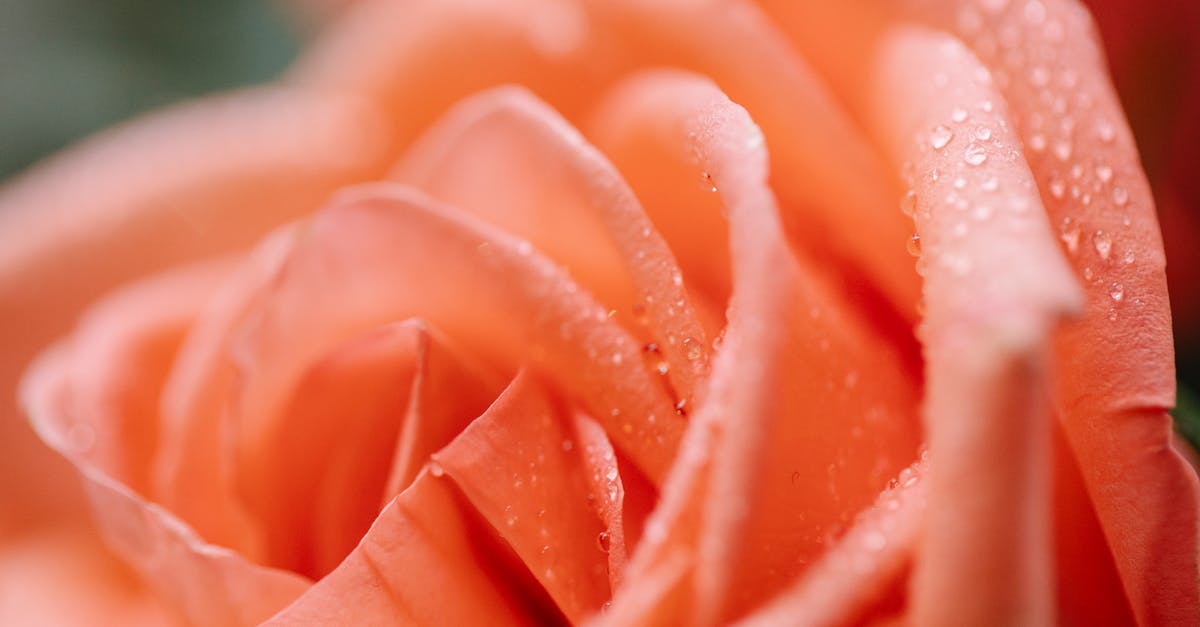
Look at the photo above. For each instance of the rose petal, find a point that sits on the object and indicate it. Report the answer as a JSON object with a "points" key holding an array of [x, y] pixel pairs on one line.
{"points": [[420, 563], [995, 285], [519, 466], [39, 569], [832, 183], [193, 475], [194, 180], [511, 160], [801, 474], [854, 574], [320, 481], [209, 585], [450, 390], [366, 260], [1114, 374]]}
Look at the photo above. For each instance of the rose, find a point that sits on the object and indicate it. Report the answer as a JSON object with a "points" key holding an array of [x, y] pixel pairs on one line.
{"points": [[807, 411]]}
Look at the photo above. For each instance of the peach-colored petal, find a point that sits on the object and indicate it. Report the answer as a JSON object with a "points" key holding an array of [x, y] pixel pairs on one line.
{"points": [[832, 183], [606, 492], [995, 285], [385, 252], [801, 428], [193, 475], [449, 391], [317, 487], [63, 575], [209, 585], [194, 180], [421, 563], [511, 160], [854, 574], [1114, 374], [520, 466]]}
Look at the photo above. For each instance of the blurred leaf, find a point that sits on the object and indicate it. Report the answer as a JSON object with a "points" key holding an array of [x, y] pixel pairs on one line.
{"points": [[71, 67]]}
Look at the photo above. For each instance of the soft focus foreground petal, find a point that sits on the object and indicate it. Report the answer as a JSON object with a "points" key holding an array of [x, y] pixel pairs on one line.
{"points": [[119, 357], [519, 465], [194, 180], [423, 562], [995, 286], [808, 412], [606, 494], [193, 475], [63, 575], [208, 585], [833, 186], [1114, 368], [510, 159], [385, 252], [854, 574]]}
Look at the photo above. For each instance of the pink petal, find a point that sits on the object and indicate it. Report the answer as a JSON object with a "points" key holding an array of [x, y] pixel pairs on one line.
{"points": [[995, 285], [810, 447]]}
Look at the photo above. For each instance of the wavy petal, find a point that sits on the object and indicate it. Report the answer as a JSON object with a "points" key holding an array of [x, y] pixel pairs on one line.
{"points": [[1113, 368], [803, 452], [995, 286], [195, 180], [510, 159], [208, 584], [366, 260], [421, 563], [519, 466]]}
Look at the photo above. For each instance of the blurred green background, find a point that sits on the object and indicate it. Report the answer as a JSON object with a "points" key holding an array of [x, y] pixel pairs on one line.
{"points": [[71, 67]]}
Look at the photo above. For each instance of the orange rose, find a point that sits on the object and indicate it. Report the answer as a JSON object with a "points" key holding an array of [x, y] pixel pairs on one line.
{"points": [[536, 331]]}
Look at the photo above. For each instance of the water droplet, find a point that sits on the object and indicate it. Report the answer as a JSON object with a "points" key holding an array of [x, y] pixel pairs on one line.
{"points": [[1037, 142], [1120, 196], [981, 212], [691, 348], [650, 347], [603, 541], [914, 245], [1069, 233], [958, 114], [990, 184], [706, 182], [1116, 291], [983, 133], [1129, 256], [436, 469], [1112, 314], [1102, 241], [986, 106], [1088, 274], [662, 368], [1062, 149], [940, 136], [908, 203], [974, 154], [1104, 173], [1057, 187], [959, 182], [1105, 131], [681, 407]]}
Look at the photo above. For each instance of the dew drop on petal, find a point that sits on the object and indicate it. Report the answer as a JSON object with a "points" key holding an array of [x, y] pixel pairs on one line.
{"points": [[1129, 256], [983, 133], [974, 154], [436, 469], [691, 348], [1104, 173], [914, 245], [940, 136], [1116, 291], [990, 184], [958, 114], [1069, 233], [1037, 142], [1102, 241], [603, 542], [1120, 196]]}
